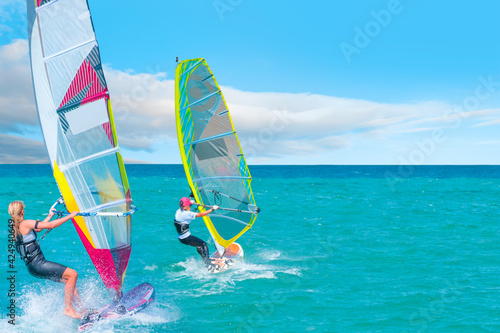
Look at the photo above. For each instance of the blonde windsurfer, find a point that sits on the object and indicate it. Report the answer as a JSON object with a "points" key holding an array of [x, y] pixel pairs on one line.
{"points": [[29, 249]]}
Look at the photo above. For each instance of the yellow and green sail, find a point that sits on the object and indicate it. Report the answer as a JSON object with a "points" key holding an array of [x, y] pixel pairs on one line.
{"points": [[211, 153]]}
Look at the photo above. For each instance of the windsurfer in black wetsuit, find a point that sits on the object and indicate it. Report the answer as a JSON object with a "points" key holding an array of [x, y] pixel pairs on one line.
{"points": [[28, 248], [183, 217]]}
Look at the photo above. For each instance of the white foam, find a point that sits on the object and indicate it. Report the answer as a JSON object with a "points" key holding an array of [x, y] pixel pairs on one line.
{"points": [[271, 255], [193, 271], [151, 268], [293, 271], [40, 308]]}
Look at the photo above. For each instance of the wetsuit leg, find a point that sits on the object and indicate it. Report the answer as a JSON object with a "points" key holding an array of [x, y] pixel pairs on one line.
{"points": [[43, 269], [200, 245]]}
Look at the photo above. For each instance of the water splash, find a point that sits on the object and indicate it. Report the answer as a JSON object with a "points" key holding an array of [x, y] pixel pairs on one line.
{"points": [[198, 282], [41, 304]]}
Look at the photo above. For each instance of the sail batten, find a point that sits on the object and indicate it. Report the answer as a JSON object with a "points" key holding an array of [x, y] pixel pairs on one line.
{"points": [[60, 53], [221, 178], [92, 98], [76, 117], [214, 163], [201, 100], [89, 158], [233, 219], [210, 138], [190, 68], [108, 205]]}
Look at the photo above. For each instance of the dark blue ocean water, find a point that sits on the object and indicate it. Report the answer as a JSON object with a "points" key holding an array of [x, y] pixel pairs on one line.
{"points": [[334, 249]]}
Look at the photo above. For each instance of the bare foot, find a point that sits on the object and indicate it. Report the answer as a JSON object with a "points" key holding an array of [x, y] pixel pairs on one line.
{"points": [[72, 313]]}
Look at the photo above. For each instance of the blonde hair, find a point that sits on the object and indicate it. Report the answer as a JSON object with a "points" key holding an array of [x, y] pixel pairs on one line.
{"points": [[16, 212]]}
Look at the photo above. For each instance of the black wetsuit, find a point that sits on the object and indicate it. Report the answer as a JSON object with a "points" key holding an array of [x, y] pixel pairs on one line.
{"points": [[35, 262], [200, 245], [186, 238]]}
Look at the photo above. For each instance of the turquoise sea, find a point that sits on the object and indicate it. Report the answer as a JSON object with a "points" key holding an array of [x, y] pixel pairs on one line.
{"points": [[334, 249]]}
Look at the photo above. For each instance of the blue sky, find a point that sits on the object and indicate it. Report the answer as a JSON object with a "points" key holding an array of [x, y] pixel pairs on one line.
{"points": [[413, 71]]}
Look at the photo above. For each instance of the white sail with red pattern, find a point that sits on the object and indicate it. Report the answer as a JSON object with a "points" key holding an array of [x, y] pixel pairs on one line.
{"points": [[77, 122]]}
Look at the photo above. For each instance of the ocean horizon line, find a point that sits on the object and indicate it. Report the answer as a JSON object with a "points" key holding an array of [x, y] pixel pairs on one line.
{"points": [[299, 165]]}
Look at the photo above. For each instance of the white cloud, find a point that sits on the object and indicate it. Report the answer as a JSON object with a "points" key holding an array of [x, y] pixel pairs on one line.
{"points": [[492, 142], [317, 115], [494, 121], [143, 106], [18, 150], [17, 104]]}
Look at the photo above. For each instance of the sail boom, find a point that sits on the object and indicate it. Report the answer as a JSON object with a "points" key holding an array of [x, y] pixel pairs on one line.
{"points": [[113, 214]]}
